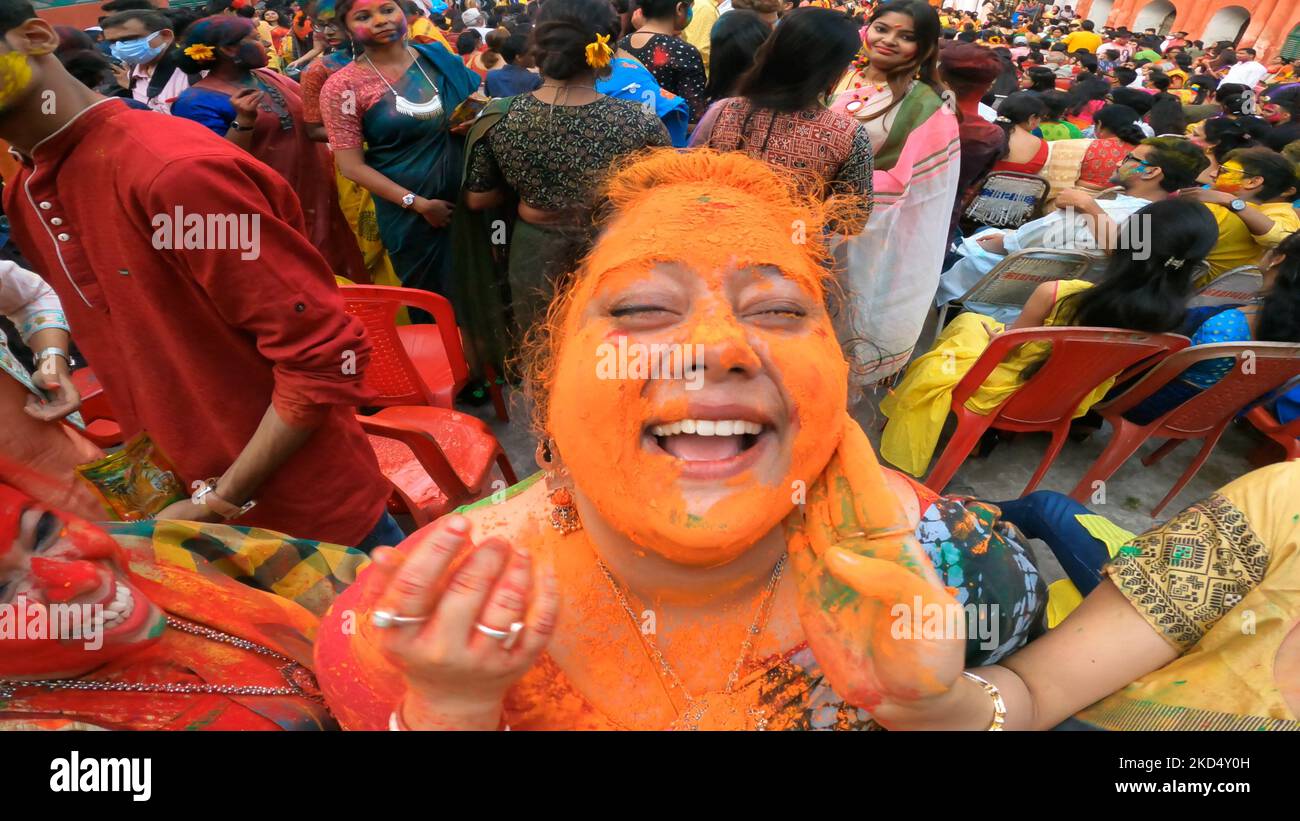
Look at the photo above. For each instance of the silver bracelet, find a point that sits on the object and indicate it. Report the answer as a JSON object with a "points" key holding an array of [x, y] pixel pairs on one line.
{"points": [[46, 353]]}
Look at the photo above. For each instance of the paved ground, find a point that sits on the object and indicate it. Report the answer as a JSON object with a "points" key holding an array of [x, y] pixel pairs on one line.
{"points": [[1129, 495]]}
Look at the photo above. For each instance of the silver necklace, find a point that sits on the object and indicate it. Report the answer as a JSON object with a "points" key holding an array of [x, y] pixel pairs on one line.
{"points": [[428, 110], [301, 681]]}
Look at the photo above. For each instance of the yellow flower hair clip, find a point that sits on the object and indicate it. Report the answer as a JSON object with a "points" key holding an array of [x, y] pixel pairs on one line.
{"points": [[599, 53], [200, 52]]}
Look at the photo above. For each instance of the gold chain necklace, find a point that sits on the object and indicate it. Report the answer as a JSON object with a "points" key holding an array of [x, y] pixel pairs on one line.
{"points": [[698, 708]]}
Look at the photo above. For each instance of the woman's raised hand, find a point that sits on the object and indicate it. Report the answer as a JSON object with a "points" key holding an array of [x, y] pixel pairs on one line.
{"points": [[488, 613], [862, 591]]}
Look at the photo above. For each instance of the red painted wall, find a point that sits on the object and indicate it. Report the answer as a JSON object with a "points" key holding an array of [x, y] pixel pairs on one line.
{"points": [[82, 15], [1270, 20]]}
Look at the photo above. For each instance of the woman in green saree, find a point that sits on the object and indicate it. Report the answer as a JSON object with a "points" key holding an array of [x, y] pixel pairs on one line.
{"points": [[387, 115]]}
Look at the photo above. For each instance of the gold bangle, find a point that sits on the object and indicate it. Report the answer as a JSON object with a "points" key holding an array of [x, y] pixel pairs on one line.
{"points": [[999, 705]]}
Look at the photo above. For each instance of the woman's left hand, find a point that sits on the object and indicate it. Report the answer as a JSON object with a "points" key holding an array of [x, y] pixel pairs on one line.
{"points": [[862, 595], [64, 398]]}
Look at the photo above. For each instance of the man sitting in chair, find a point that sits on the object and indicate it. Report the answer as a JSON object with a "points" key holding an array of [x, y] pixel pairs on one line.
{"points": [[1150, 172]]}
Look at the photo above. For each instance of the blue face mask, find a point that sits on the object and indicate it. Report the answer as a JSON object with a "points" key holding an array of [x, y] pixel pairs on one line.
{"points": [[137, 50], [690, 12]]}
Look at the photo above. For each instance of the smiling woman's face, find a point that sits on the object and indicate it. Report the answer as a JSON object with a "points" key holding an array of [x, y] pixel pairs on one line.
{"points": [[51, 559], [699, 386], [891, 41]]}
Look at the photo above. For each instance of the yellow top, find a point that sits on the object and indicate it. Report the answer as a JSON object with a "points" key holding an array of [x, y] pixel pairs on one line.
{"points": [[703, 15], [1087, 40], [1237, 246], [918, 407], [1221, 583]]}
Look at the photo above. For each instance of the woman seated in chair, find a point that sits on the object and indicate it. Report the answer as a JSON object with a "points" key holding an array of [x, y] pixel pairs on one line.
{"points": [[1090, 164], [1145, 288], [677, 505], [1195, 626], [1019, 115], [1272, 316]]}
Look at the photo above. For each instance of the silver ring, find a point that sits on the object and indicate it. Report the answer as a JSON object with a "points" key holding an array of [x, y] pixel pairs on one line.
{"points": [[506, 637], [384, 619]]}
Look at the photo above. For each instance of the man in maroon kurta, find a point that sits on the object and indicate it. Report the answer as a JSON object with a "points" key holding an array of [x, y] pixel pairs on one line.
{"points": [[184, 271]]}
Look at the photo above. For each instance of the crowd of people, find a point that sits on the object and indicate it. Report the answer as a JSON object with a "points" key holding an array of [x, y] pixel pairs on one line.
{"points": [[784, 187]]}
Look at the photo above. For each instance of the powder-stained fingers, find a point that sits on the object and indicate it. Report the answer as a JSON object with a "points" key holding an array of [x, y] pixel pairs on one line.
{"points": [[543, 614], [415, 587], [460, 604], [508, 600]]}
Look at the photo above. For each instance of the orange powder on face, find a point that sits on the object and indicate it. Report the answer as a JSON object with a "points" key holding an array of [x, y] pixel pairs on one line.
{"points": [[598, 423]]}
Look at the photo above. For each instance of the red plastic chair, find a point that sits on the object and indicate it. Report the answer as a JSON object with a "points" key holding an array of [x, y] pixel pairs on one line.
{"points": [[1080, 360], [1205, 416], [413, 364], [1288, 435], [101, 426], [436, 459]]}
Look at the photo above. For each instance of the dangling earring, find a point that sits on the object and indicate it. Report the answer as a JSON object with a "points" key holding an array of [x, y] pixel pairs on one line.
{"points": [[564, 513]]}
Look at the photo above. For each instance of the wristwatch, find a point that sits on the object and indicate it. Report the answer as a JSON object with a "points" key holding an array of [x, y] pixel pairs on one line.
{"points": [[207, 495], [45, 353], [235, 125], [408, 200], [1237, 205]]}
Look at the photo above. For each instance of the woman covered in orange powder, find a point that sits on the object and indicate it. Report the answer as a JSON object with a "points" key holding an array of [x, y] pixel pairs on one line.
{"points": [[713, 544], [164, 640]]}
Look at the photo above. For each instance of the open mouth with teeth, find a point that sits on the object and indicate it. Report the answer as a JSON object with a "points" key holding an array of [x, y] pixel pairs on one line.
{"points": [[709, 448]]}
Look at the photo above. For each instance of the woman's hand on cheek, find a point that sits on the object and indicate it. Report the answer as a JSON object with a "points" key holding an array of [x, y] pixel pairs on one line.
{"points": [[861, 600]]}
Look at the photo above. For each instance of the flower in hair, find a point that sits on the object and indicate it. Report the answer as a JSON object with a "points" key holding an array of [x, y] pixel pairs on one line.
{"points": [[200, 52], [599, 53]]}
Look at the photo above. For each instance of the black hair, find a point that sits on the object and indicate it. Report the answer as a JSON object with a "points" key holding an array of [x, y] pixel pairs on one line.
{"points": [[734, 41], [1233, 96], [77, 51], [1055, 102], [1167, 116], [1179, 160], [124, 5], [151, 20], [801, 60], [1278, 172], [467, 42], [1148, 294], [13, 13], [657, 9], [1158, 80], [1085, 90], [1042, 78], [1121, 121], [516, 44], [1018, 108], [216, 30], [1124, 76], [1225, 134], [1134, 98], [1088, 25], [1279, 315], [564, 29]]}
